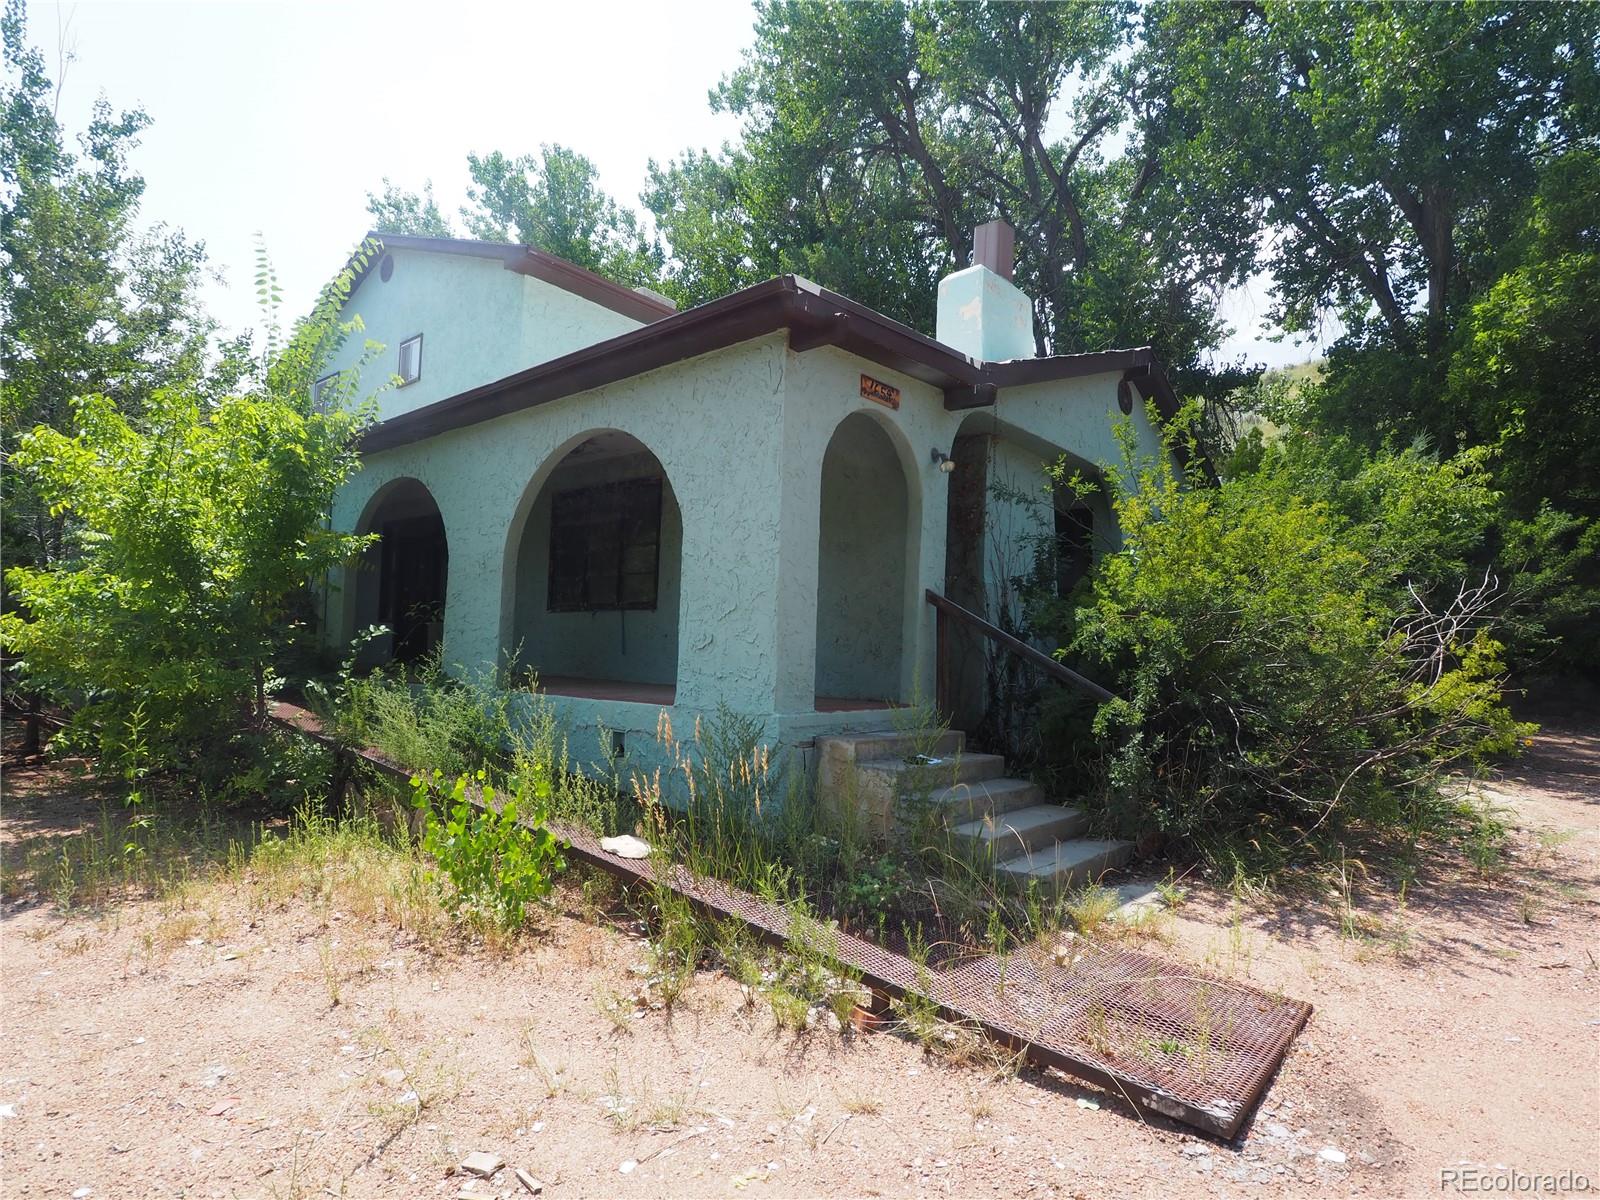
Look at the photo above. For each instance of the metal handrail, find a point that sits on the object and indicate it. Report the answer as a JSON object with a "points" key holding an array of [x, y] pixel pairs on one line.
{"points": [[946, 607]]}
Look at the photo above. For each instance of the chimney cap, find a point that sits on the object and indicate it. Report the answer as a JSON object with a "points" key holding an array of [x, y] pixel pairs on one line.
{"points": [[993, 246]]}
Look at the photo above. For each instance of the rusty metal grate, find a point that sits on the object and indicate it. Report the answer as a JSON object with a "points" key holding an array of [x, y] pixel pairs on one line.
{"points": [[1168, 1039]]}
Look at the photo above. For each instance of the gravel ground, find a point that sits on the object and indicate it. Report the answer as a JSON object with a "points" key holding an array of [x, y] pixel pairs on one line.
{"points": [[192, 1047]]}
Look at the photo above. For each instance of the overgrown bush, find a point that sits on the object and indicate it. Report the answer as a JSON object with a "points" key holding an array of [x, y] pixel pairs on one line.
{"points": [[428, 720], [1292, 660], [496, 854], [189, 537], [194, 534]]}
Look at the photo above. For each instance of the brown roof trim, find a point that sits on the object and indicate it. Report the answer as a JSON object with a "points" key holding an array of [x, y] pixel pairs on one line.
{"points": [[813, 316], [529, 260]]}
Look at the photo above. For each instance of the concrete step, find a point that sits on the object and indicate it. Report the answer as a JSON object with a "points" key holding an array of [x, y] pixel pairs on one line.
{"points": [[1067, 864], [860, 773], [1001, 836], [889, 747], [982, 797], [958, 768]]}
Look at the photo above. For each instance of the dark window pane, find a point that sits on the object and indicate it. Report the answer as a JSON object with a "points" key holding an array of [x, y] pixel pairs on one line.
{"points": [[605, 547]]}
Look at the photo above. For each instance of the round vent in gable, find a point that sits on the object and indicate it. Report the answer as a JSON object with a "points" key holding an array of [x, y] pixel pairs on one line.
{"points": [[386, 268]]}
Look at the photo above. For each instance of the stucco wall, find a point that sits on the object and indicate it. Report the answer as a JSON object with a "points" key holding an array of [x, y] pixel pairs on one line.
{"points": [[823, 387], [640, 645], [741, 435], [714, 423], [861, 564], [479, 322]]}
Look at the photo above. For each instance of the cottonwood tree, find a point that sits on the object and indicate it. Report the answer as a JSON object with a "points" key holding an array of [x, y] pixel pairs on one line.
{"points": [[877, 136], [88, 302], [395, 210], [552, 200], [1374, 157]]}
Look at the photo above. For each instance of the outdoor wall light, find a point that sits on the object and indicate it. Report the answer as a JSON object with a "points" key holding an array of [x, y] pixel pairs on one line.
{"points": [[943, 461]]}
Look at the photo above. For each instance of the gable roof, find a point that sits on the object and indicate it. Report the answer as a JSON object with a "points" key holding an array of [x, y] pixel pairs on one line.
{"points": [[814, 317], [524, 260]]}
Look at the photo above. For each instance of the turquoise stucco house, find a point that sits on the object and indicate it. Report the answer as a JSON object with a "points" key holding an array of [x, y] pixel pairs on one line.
{"points": [[743, 503]]}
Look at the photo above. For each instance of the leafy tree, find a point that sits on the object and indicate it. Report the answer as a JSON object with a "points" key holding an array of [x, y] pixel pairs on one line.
{"points": [[554, 201], [1388, 147], [87, 303], [1425, 173], [877, 136], [194, 532], [1524, 377], [396, 210]]}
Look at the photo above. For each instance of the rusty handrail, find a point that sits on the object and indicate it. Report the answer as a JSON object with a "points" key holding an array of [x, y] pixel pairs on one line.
{"points": [[946, 607]]}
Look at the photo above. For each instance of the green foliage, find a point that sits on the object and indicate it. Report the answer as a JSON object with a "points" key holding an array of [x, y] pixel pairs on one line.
{"points": [[1426, 173], [189, 537], [552, 200], [194, 535], [499, 859], [89, 304], [876, 136], [423, 718], [877, 887], [396, 210], [1302, 651], [1388, 146]]}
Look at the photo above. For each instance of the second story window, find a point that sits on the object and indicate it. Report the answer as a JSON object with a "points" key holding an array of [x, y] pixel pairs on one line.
{"points": [[321, 388], [410, 360]]}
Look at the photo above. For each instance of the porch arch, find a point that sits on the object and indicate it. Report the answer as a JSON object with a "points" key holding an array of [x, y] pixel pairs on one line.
{"points": [[870, 520], [401, 581], [592, 574]]}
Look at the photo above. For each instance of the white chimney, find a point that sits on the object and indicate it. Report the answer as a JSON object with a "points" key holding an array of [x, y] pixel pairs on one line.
{"points": [[982, 313]]}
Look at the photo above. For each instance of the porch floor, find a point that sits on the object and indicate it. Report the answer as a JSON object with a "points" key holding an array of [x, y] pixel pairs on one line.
{"points": [[835, 704], [664, 694], [608, 689]]}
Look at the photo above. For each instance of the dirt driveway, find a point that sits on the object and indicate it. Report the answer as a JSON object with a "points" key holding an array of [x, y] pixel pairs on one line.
{"points": [[218, 1042]]}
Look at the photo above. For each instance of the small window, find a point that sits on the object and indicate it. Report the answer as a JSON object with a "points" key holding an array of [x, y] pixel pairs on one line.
{"points": [[1074, 546], [320, 389], [605, 547], [411, 360]]}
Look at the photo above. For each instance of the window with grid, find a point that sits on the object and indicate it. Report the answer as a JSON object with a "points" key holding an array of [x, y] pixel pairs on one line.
{"points": [[605, 547]]}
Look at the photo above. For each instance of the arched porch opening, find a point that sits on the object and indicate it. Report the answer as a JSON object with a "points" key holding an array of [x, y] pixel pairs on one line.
{"points": [[1014, 532], [596, 573], [401, 580], [865, 568]]}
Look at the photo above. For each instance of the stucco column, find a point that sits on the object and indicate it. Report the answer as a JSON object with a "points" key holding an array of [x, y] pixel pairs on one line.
{"points": [[725, 469], [799, 492]]}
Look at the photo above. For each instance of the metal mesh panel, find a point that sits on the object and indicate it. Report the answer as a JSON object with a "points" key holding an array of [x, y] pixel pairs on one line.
{"points": [[1165, 1037]]}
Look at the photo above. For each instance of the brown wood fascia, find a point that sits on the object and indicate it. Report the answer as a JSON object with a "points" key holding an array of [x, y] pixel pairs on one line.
{"points": [[526, 260], [595, 288]]}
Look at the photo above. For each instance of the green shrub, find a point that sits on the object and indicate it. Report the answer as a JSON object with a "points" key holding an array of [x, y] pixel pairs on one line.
{"points": [[189, 536], [498, 860], [1292, 661], [425, 719]]}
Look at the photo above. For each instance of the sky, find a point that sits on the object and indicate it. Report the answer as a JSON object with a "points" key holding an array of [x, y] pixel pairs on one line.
{"points": [[275, 118]]}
